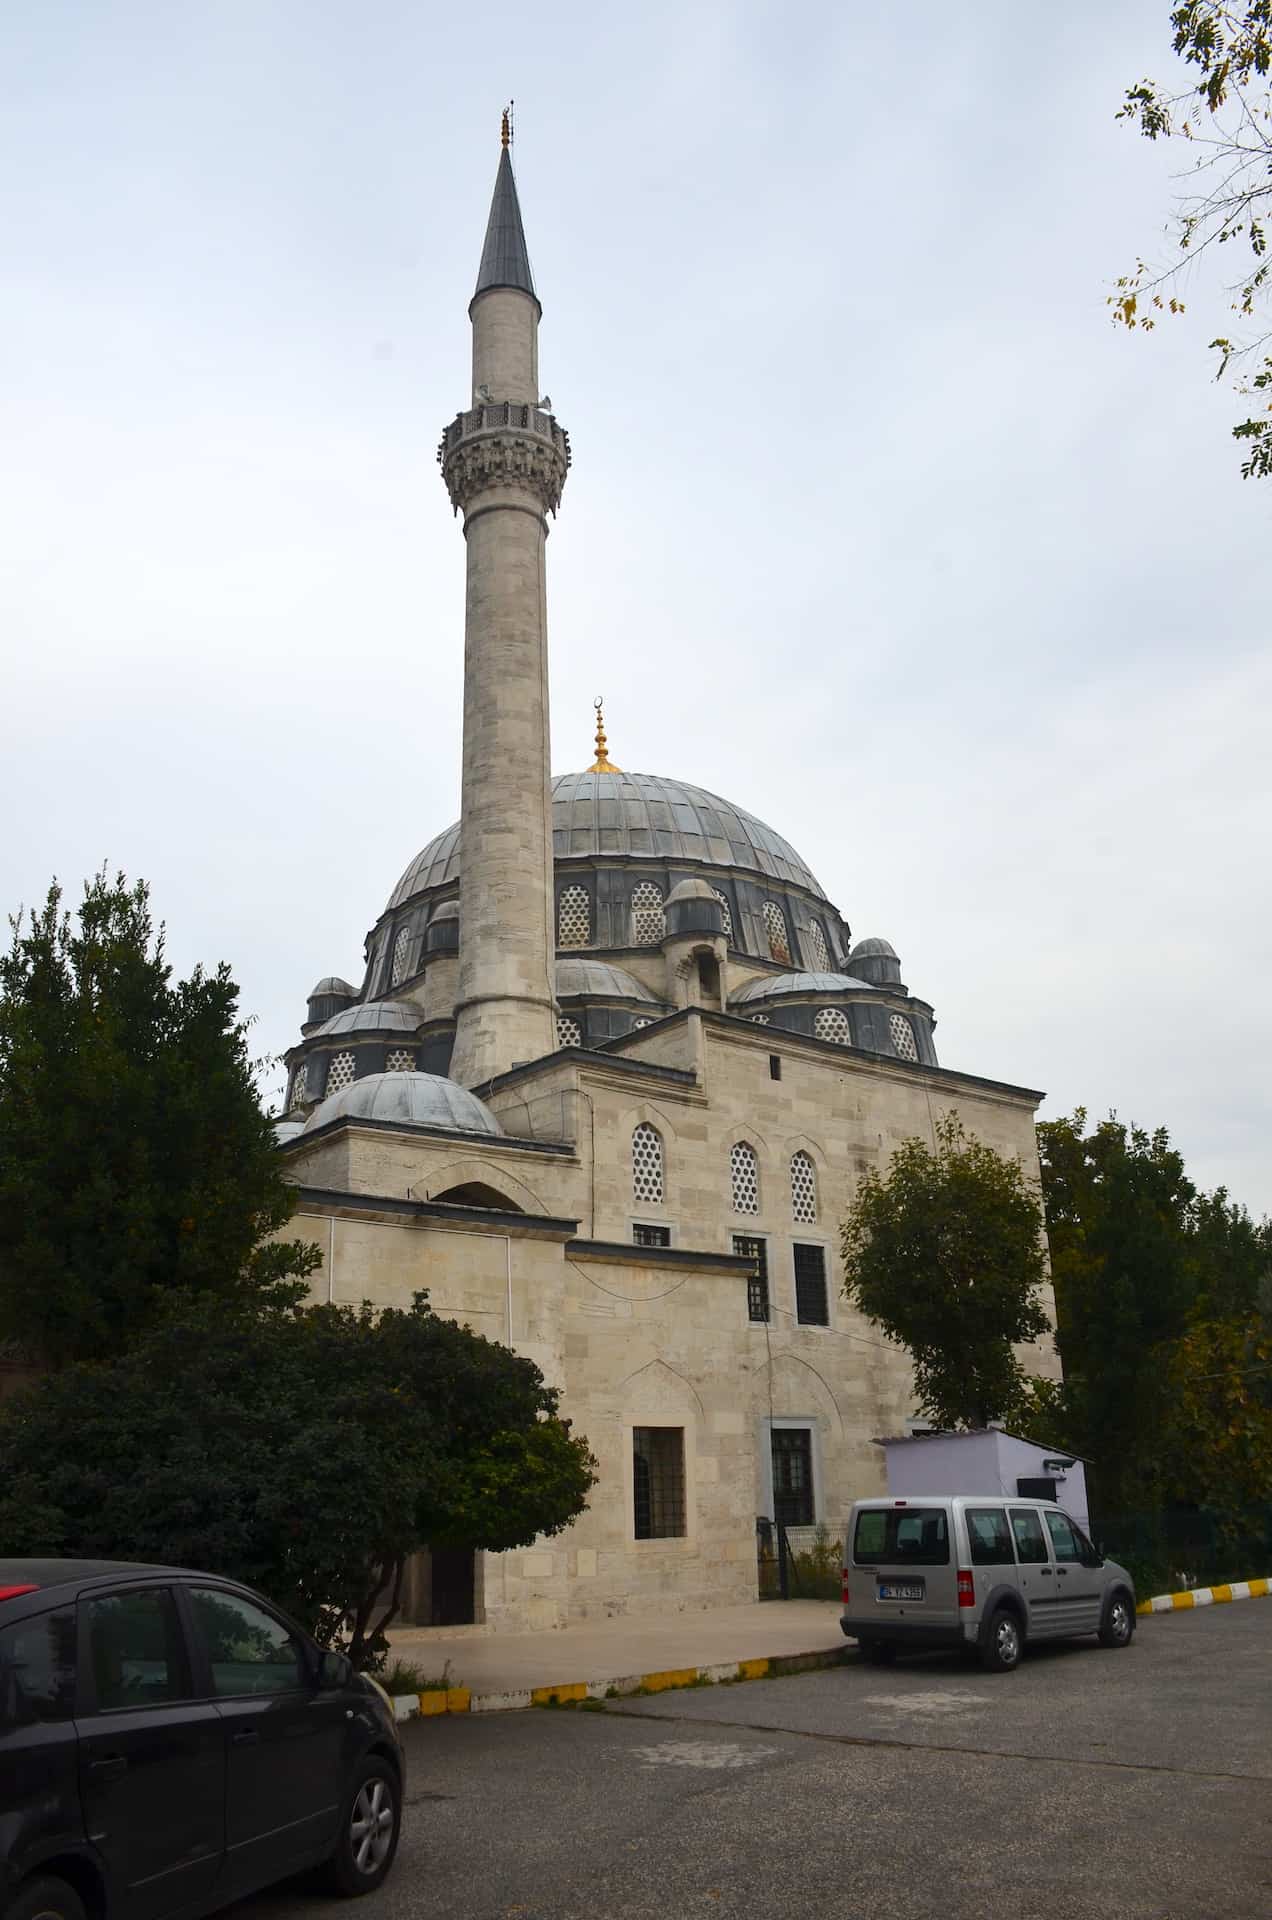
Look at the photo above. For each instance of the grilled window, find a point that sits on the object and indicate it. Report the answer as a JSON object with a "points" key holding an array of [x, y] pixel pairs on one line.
{"points": [[401, 949], [748, 1247], [340, 1072], [574, 918], [793, 1476], [658, 1482], [647, 1235], [831, 1023], [812, 1308], [902, 1037], [299, 1085], [760, 1020], [569, 1032], [803, 1188], [744, 1169], [647, 1165], [821, 952], [779, 940], [723, 898], [647, 914], [399, 1060]]}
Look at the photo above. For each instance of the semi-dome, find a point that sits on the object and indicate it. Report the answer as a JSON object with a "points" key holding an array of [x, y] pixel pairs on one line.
{"points": [[596, 979], [780, 983], [635, 814], [375, 1016], [407, 1099]]}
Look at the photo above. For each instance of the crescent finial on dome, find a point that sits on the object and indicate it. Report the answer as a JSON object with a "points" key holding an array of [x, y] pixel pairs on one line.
{"points": [[602, 762]]}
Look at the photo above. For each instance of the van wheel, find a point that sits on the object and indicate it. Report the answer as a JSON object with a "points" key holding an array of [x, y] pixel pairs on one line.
{"points": [[880, 1653], [46, 1899], [369, 1827], [1118, 1623], [1001, 1646]]}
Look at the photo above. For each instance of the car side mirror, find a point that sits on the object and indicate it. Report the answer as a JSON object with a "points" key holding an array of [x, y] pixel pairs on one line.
{"points": [[334, 1669], [1093, 1559]]}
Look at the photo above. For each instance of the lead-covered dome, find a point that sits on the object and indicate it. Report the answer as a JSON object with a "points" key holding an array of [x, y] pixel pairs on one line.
{"points": [[409, 1100], [640, 814]]}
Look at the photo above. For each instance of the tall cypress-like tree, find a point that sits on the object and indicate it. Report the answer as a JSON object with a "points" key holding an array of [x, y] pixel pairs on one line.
{"points": [[135, 1159]]}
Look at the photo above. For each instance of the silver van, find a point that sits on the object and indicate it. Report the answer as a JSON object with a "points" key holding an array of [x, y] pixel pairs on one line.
{"points": [[977, 1571]]}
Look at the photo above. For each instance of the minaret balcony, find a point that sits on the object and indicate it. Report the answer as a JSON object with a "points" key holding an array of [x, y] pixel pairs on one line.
{"points": [[504, 444]]}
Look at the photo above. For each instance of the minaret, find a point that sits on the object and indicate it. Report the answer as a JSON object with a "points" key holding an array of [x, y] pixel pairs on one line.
{"points": [[504, 462]]}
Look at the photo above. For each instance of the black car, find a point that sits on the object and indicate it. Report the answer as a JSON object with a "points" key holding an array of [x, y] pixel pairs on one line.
{"points": [[170, 1742]]}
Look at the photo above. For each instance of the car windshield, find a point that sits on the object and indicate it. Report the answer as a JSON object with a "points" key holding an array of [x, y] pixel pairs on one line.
{"points": [[901, 1536]]}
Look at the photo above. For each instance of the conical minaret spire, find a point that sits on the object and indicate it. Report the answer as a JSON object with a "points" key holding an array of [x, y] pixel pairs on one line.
{"points": [[504, 462]]}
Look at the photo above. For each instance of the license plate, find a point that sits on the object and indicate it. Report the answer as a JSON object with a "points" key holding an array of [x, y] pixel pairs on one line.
{"points": [[900, 1590]]}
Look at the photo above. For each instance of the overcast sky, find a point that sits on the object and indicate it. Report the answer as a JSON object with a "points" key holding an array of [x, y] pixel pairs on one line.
{"points": [[875, 526]]}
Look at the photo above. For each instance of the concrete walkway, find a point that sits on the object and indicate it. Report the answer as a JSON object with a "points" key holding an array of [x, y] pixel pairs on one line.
{"points": [[610, 1650]]}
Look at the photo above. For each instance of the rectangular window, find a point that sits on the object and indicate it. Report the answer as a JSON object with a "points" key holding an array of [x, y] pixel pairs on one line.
{"points": [[37, 1669], [1026, 1527], [895, 1536], [1064, 1540], [988, 1537], [747, 1247], [137, 1649], [793, 1476], [643, 1236], [658, 1479], [812, 1308], [248, 1650]]}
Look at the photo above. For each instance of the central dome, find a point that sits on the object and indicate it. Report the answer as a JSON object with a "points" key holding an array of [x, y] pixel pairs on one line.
{"points": [[639, 814]]}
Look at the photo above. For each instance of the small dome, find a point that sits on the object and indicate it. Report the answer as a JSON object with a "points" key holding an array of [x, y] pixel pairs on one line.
{"points": [[691, 890], [334, 987], [449, 910], [876, 961], [596, 979], [375, 1016], [407, 1100], [867, 949], [780, 983]]}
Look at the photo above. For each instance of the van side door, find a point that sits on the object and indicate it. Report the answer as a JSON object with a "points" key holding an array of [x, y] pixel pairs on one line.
{"points": [[1080, 1587], [1035, 1572]]}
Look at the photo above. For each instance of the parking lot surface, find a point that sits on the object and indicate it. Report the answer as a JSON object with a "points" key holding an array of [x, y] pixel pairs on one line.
{"points": [[1128, 1786]]}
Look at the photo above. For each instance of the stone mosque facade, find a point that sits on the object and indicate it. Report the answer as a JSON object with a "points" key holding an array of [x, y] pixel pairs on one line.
{"points": [[607, 1084]]}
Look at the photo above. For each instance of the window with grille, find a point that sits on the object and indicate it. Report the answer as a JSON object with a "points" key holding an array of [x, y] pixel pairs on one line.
{"points": [[744, 1170], [803, 1187], [401, 949], [638, 1024], [748, 1247], [647, 1165], [299, 1085], [574, 918], [399, 1060], [820, 951], [725, 909], [647, 914], [779, 939], [793, 1476], [831, 1023], [645, 1234], [759, 1020], [658, 1482], [339, 1072], [812, 1307], [902, 1037], [569, 1032]]}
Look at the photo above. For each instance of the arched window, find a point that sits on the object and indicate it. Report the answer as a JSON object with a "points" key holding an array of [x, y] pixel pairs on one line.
{"points": [[647, 914], [569, 1032], [299, 1086], [831, 1023], [803, 1188], [744, 1169], [779, 939], [902, 1037], [339, 1072], [574, 918], [399, 1060], [723, 898], [647, 1166], [401, 948], [821, 952]]}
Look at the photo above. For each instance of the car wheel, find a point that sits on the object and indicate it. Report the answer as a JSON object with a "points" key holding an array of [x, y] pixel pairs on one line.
{"points": [[46, 1899], [1001, 1646], [369, 1826], [878, 1652], [1118, 1623]]}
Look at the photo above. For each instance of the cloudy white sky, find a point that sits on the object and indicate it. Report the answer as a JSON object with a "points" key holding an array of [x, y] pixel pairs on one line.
{"points": [[875, 526]]}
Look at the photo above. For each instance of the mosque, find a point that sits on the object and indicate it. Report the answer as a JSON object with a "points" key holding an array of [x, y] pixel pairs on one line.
{"points": [[612, 1072]]}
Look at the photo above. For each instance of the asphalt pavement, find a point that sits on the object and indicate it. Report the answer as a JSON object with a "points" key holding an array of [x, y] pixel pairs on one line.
{"points": [[1088, 1785]]}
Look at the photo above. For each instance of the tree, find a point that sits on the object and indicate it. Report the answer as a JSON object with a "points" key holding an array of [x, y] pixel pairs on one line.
{"points": [[1217, 1442], [945, 1254], [1225, 114], [306, 1451], [135, 1160]]}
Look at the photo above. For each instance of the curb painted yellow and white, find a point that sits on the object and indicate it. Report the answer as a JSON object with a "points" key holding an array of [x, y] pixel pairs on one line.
{"points": [[570, 1693], [1206, 1596]]}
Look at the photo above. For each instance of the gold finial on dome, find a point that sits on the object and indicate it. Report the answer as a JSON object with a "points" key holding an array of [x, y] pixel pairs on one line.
{"points": [[602, 762]]}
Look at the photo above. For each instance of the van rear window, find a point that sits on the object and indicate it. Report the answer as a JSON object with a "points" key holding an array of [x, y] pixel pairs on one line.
{"points": [[901, 1536]]}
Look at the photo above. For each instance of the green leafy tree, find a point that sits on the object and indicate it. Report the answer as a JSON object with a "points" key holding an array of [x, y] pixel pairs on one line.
{"points": [[1223, 114], [1216, 1445], [945, 1253], [306, 1451], [135, 1161]]}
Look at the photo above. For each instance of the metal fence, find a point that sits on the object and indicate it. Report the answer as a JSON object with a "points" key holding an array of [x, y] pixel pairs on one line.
{"points": [[798, 1563]]}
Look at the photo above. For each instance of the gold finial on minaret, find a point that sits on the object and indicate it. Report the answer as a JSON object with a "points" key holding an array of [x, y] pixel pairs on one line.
{"points": [[602, 762], [505, 126]]}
